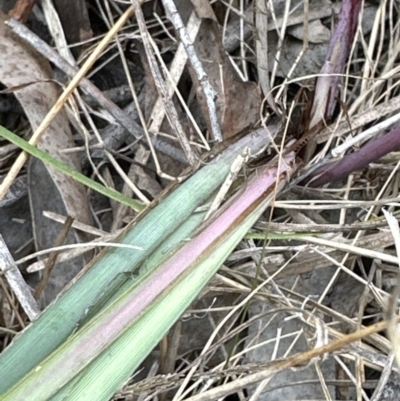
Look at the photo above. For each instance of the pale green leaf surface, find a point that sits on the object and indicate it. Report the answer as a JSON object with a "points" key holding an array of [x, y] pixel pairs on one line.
{"points": [[83, 347], [62, 317], [115, 365], [164, 251]]}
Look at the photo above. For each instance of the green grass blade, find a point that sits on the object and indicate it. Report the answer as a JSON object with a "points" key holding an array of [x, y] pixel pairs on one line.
{"points": [[62, 317], [203, 255], [46, 158]]}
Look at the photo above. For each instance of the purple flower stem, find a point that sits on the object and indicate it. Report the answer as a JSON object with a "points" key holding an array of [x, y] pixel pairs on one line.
{"points": [[371, 152]]}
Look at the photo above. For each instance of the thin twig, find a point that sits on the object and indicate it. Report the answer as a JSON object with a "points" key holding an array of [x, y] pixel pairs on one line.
{"points": [[52, 259], [208, 90], [17, 282], [161, 86], [120, 115], [23, 157]]}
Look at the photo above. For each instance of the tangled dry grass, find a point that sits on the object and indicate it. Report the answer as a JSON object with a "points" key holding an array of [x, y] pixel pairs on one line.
{"points": [[306, 307]]}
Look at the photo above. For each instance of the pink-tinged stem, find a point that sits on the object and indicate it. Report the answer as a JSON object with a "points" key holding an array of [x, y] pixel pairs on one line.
{"points": [[118, 318], [341, 42], [372, 151], [327, 86], [184, 258]]}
